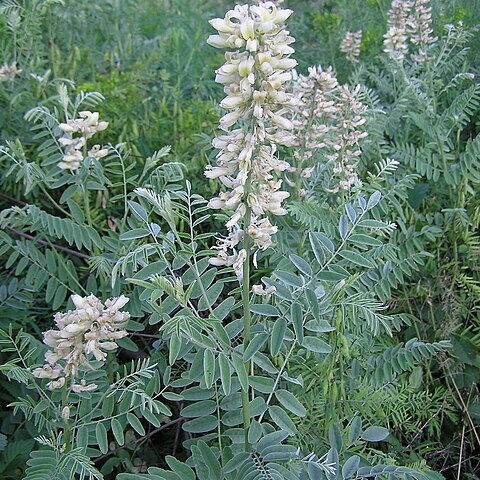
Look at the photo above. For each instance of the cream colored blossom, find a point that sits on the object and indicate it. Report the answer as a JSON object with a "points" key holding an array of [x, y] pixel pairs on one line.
{"points": [[409, 20], [260, 290], [97, 152], [88, 330], [72, 159], [83, 387], [257, 120], [55, 384], [86, 126], [261, 232], [351, 45], [395, 40], [9, 72], [419, 26], [238, 262]]}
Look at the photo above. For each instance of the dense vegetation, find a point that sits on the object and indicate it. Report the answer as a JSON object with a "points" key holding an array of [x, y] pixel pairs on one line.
{"points": [[300, 257]]}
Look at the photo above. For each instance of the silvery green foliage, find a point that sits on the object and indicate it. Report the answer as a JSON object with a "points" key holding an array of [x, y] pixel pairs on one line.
{"points": [[203, 333], [68, 422], [57, 248], [67, 246]]}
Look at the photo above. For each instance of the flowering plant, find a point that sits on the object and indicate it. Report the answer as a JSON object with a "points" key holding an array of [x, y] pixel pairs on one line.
{"points": [[259, 334]]}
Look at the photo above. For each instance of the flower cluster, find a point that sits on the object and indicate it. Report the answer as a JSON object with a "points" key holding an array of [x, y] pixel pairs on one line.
{"points": [[329, 117], [347, 132], [247, 164], [77, 132], [395, 40], [90, 329], [311, 92], [9, 72], [351, 46], [419, 25], [409, 19]]}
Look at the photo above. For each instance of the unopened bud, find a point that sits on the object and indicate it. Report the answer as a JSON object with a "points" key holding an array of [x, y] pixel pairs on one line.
{"points": [[66, 413]]}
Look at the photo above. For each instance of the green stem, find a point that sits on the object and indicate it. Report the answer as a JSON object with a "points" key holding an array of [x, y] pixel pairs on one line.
{"points": [[86, 201], [303, 148], [55, 204], [246, 307], [110, 358], [66, 426], [219, 431]]}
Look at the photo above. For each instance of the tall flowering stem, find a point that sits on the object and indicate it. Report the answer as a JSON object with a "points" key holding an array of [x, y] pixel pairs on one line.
{"points": [[409, 20], [329, 120], [419, 25], [254, 76], [395, 40]]}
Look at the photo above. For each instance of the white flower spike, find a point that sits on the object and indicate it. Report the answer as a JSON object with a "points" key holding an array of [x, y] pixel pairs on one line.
{"points": [[254, 77]]}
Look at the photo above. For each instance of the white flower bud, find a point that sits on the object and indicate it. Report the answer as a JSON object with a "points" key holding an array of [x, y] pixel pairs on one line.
{"points": [[66, 413], [232, 101], [281, 122], [230, 119], [66, 127], [217, 41], [221, 25]]}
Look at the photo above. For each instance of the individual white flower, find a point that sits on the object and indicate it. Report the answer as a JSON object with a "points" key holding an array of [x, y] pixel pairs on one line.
{"points": [[115, 304], [260, 290], [238, 262], [307, 172], [97, 152], [221, 260], [55, 384], [83, 387], [47, 371]]}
